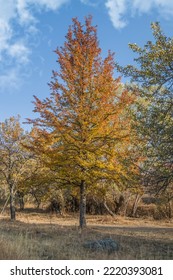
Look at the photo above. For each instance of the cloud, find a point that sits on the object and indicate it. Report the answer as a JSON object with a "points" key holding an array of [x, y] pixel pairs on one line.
{"points": [[20, 52], [93, 3], [25, 8], [19, 27], [10, 78], [16, 48], [120, 10], [116, 10]]}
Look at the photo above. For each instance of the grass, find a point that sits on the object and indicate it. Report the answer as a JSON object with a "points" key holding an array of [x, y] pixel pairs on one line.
{"points": [[43, 236]]}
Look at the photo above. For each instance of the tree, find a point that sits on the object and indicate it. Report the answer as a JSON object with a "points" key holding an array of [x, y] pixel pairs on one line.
{"points": [[84, 129], [153, 78], [35, 181], [12, 157]]}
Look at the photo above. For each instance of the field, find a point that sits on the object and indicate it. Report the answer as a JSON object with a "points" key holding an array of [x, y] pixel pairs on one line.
{"points": [[45, 236]]}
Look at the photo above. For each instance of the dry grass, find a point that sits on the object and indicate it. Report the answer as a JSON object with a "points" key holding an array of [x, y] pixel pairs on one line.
{"points": [[43, 236]]}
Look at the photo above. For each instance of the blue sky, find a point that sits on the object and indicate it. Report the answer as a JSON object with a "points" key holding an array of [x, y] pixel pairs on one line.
{"points": [[31, 29]]}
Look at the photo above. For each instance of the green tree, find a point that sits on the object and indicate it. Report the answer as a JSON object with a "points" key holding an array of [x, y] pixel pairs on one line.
{"points": [[84, 129], [152, 77]]}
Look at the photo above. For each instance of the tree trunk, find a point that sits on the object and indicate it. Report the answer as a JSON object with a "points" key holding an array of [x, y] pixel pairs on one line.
{"points": [[170, 208], [108, 209], [135, 205], [21, 203], [82, 209], [12, 204], [126, 205], [119, 204], [21, 200]]}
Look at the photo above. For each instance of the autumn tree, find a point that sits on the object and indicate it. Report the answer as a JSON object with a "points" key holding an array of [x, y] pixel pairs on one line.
{"points": [[35, 181], [84, 129], [152, 76], [12, 157]]}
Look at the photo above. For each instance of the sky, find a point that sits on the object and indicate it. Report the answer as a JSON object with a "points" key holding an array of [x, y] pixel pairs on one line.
{"points": [[30, 31]]}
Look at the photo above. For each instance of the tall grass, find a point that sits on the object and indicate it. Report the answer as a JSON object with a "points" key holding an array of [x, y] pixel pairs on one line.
{"points": [[50, 240]]}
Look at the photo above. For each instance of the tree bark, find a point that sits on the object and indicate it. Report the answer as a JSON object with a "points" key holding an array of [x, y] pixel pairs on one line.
{"points": [[21, 200], [135, 205], [21, 203], [170, 207], [82, 209], [12, 204], [119, 204], [108, 209]]}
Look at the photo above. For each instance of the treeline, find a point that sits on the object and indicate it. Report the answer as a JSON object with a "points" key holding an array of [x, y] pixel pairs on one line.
{"points": [[96, 142]]}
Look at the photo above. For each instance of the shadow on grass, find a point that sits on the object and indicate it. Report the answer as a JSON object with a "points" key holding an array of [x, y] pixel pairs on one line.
{"points": [[56, 241]]}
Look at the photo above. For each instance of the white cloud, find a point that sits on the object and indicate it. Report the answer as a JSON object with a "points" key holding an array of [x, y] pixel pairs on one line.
{"points": [[25, 8], [20, 52], [120, 10], [93, 3], [10, 78], [7, 9], [49, 4], [23, 12], [142, 6], [5, 34], [16, 50], [116, 10]]}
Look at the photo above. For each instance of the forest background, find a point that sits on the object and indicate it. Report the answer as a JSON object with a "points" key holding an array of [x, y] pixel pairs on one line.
{"points": [[97, 145], [95, 136]]}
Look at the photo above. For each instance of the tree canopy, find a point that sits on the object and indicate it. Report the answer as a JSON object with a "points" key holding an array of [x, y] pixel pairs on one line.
{"points": [[84, 129], [152, 77], [12, 157]]}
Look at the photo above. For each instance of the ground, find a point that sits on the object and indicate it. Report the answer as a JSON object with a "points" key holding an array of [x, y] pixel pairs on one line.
{"points": [[41, 235]]}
